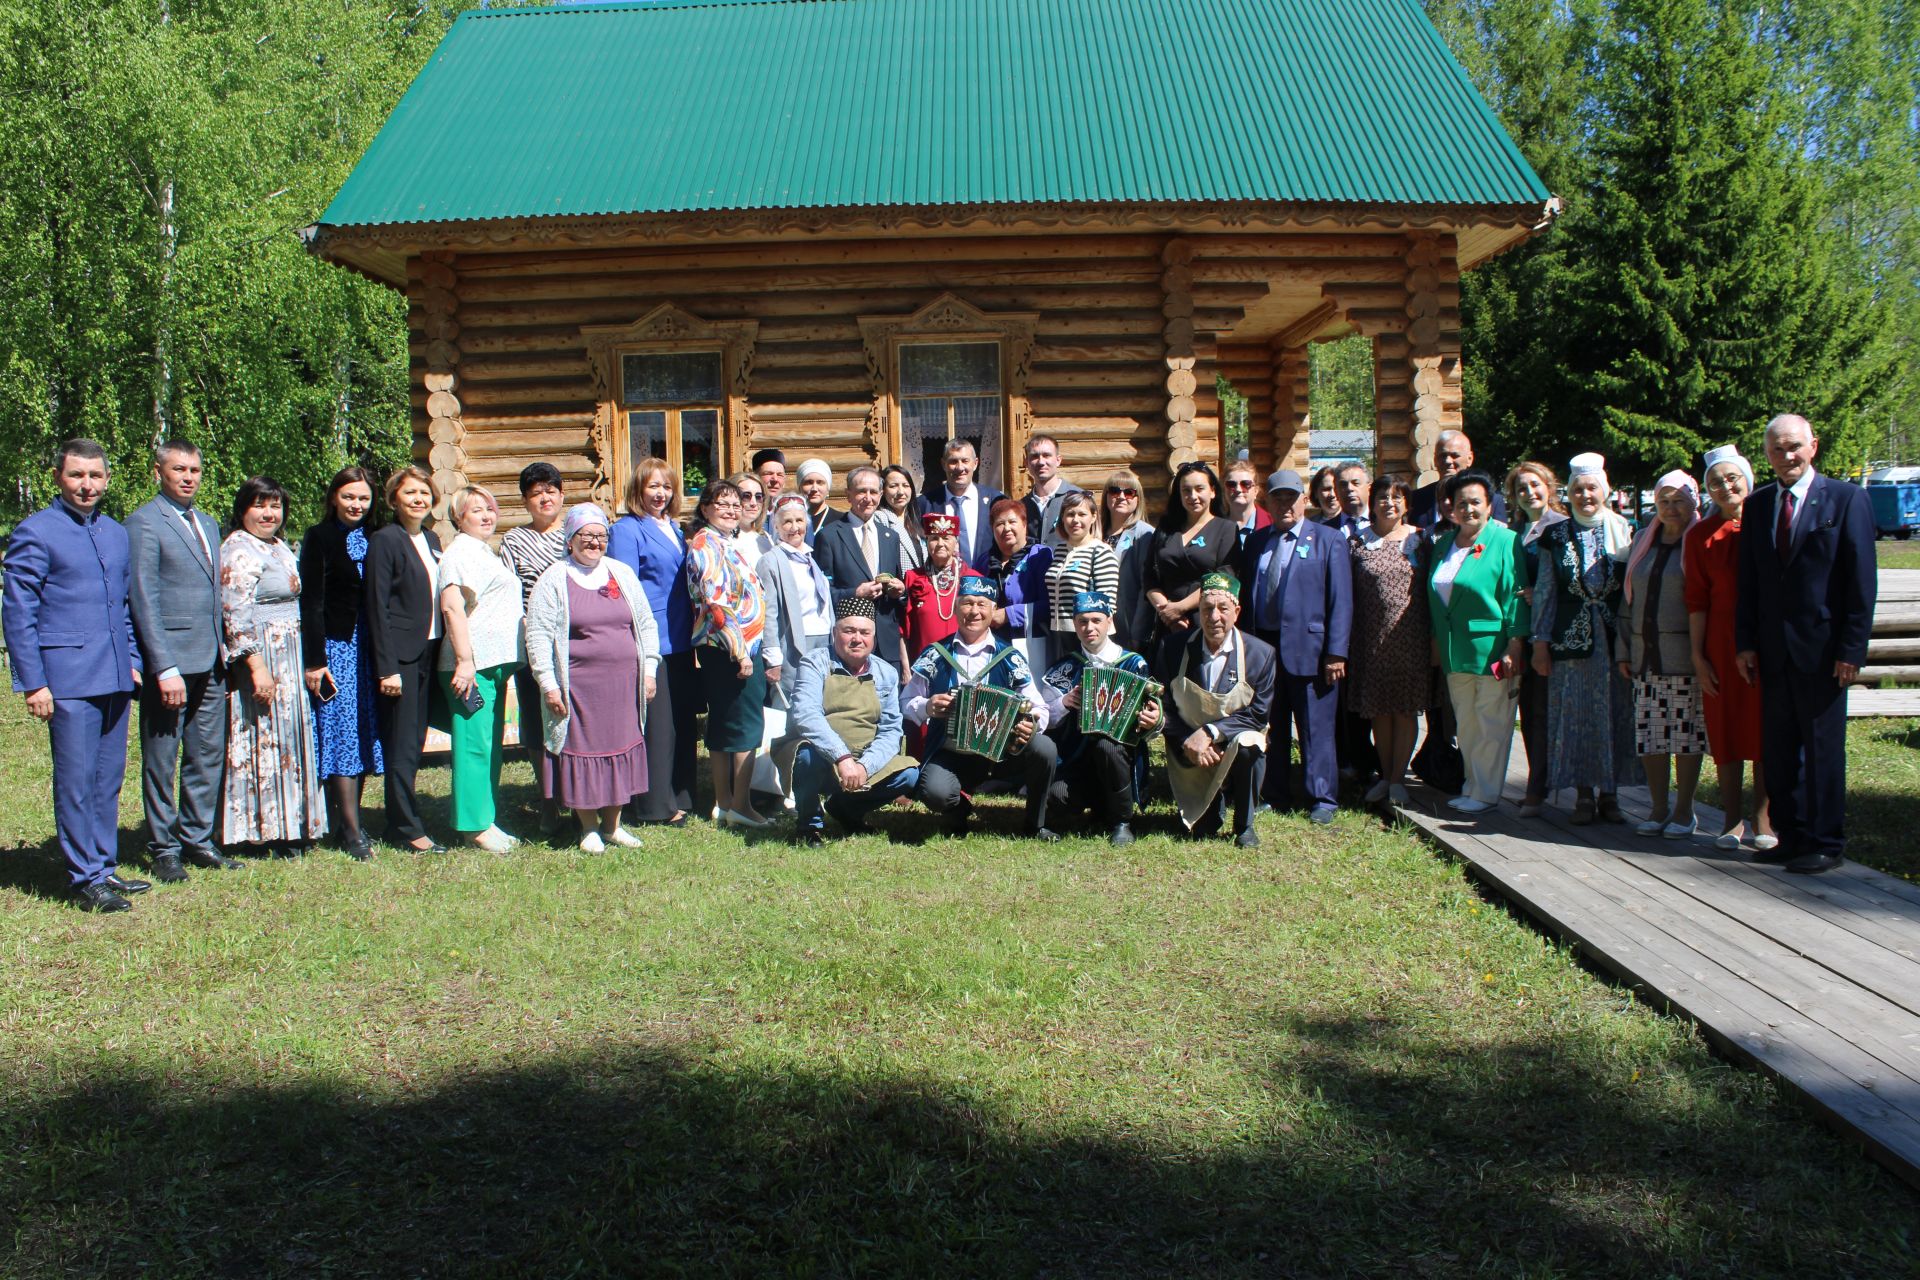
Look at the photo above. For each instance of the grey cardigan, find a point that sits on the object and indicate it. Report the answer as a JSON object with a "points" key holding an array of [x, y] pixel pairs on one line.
{"points": [[548, 620], [1670, 618]]}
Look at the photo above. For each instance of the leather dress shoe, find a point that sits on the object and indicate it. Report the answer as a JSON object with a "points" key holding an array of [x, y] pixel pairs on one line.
{"points": [[167, 869], [1812, 864], [955, 823], [1322, 815], [850, 823], [1777, 856], [120, 884], [1248, 839], [98, 897], [1121, 836], [359, 849], [810, 837], [212, 859], [1045, 835]]}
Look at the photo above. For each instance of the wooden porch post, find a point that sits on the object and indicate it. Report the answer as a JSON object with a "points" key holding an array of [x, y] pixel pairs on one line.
{"points": [[1291, 419], [1176, 283], [1433, 338], [432, 286]]}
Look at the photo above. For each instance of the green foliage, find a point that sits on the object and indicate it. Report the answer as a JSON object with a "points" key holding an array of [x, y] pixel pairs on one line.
{"points": [[1340, 384], [157, 162], [1740, 234]]}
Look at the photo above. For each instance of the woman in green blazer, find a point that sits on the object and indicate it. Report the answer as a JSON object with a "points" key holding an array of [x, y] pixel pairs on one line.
{"points": [[1479, 619]]}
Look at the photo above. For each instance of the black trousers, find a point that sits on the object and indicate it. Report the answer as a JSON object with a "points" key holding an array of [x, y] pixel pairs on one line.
{"points": [[1438, 762], [671, 739], [403, 736], [947, 774], [1533, 728], [1099, 777], [1803, 738], [1356, 749], [1244, 779]]}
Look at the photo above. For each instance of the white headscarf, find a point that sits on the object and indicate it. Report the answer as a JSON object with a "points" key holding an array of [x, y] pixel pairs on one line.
{"points": [[1651, 534], [1730, 454], [1616, 535]]}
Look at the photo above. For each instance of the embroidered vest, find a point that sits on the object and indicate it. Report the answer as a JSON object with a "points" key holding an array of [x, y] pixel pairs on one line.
{"points": [[1574, 593]]}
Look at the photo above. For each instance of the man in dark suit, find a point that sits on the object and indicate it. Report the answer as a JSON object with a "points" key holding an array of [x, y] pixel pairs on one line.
{"points": [[1047, 489], [1807, 588], [1299, 599], [1452, 454], [1219, 685], [71, 643], [966, 501], [861, 557], [175, 599]]}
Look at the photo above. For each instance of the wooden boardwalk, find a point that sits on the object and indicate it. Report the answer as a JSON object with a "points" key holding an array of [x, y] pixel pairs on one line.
{"points": [[1815, 979]]}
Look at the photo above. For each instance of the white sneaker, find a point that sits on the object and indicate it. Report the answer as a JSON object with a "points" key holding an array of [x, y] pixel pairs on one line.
{"points": [[1461, 801], [592, 843], [625, 838], [1469, 805], [494, 840], [1651, 827]]}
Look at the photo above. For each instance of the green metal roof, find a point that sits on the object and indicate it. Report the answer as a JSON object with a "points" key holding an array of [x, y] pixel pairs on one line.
{"points": [[788, 104]]}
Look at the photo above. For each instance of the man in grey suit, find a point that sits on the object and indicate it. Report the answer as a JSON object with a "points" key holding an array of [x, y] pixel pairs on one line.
{"points": [[174, 595]]}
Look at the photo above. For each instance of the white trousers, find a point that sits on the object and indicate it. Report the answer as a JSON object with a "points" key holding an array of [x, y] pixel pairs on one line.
{"points": [[1484, 716]]}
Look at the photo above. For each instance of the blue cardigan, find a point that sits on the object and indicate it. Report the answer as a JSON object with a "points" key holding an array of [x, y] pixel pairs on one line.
{"points": [[661, 565]]}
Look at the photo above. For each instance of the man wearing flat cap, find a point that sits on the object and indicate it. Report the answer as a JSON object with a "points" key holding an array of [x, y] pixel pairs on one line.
{"points": [[846, 711], [1098, 769], [974, 656], [1299, 599], [1219, 696]]}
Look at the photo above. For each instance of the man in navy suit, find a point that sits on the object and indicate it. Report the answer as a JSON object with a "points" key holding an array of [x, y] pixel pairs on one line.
{"points": [[1807, 587], [966, 501], [75, 657], [861, 557], [1452, 454], [1299, 599], [174, 594]]}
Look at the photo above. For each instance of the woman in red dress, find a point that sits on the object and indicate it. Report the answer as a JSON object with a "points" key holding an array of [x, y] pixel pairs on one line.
{"points": [[933, 597], [1732, 706]]}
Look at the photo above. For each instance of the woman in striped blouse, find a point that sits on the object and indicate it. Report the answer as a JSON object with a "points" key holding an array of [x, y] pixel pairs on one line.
{"points": [[1082, 562], [729, 617]]}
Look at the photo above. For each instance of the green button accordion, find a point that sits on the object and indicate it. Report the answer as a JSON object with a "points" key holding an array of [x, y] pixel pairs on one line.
{"points": [[1110, 702]]}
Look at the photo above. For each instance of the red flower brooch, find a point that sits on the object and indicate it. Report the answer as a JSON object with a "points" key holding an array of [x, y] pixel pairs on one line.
{"points": [[612, 589], [1478, 547]]}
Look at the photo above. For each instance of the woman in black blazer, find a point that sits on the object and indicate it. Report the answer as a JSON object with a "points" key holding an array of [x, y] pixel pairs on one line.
{"points": [[403, 627], [335, 651]]}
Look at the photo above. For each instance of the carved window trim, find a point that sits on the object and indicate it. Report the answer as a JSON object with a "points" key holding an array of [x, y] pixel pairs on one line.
{"points": [[948, 319], [665, 329]]}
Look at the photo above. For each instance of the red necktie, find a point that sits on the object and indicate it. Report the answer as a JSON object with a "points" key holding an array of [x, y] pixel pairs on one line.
{"points": [[1783, 528]]}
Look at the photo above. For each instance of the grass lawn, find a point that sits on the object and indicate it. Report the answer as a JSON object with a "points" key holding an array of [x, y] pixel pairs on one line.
{"points": [[890, 1056], [1893, 553]]}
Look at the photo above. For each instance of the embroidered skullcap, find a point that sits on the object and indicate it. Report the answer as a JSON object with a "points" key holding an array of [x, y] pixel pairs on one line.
{"points": [[1728, 453], [978, 585], [940, 525], [815, 467], [854, 607], [1220, 580], [1587, 464], [1093, 602], [583, 516]]}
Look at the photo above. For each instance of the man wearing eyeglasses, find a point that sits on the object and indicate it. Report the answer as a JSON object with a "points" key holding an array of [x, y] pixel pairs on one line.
{"points": [[1243, 500]]}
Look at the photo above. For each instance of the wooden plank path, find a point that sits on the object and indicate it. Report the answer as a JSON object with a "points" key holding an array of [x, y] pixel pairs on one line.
{"points": [[1814, 979]]}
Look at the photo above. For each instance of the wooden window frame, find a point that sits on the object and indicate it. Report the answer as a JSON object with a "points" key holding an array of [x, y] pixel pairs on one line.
{"points": [[665, 330], [949, 319]]}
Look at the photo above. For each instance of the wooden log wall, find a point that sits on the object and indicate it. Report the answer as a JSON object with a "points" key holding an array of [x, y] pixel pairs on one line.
{"points": [[1249, 367], [1121, 368], [1292, 420], [1433, 342]]}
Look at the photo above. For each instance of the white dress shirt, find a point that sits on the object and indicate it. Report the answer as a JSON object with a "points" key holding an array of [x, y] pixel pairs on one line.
{"points": [[973, 660]]}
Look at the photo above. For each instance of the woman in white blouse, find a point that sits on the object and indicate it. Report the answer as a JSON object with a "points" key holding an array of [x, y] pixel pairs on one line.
{"points": [[799, 613], [480, 602]]}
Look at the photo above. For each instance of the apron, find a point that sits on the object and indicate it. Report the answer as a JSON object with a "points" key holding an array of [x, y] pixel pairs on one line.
{"points": [[852, 707], [1194, 787]]}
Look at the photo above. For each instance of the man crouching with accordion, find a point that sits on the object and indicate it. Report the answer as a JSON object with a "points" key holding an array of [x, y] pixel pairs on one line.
{"points": [[984, 716], [1102, 703]]}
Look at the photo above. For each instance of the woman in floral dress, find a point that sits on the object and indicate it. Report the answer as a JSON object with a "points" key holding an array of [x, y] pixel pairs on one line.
{"points": [[1391, 674], [273, 771]]}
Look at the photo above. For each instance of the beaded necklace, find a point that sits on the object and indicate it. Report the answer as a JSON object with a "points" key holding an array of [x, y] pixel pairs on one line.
{"points": [[946, 581]]}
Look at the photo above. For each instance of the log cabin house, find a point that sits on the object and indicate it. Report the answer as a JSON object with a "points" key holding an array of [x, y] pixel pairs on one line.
{"points": [[855, 229]]}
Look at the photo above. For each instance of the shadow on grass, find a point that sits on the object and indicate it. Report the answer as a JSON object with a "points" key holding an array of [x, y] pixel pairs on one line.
{"points": [[648, 1161], [39, 870]]}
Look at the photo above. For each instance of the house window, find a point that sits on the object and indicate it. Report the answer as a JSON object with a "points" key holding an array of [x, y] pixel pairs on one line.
{"points": [[673, 405], [950, 391]]}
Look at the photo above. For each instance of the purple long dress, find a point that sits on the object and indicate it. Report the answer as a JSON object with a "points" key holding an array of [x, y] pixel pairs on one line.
{"points": [[605, 760]]}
